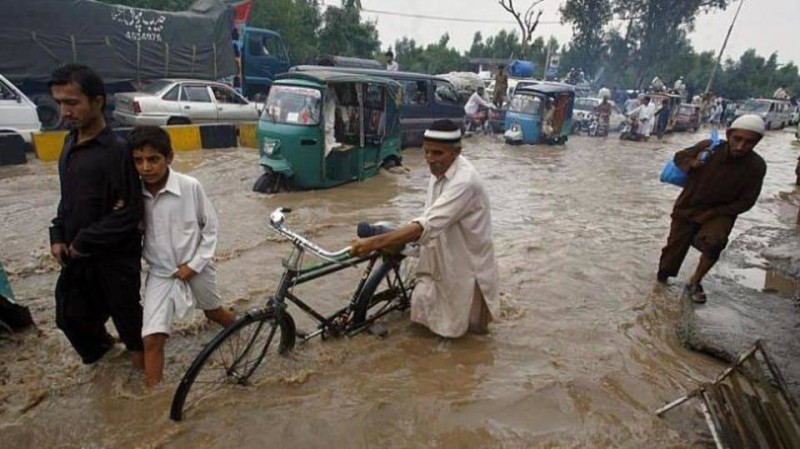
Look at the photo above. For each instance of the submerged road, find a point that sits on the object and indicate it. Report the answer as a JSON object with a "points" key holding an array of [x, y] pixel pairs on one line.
{"points": [[583, 352]]}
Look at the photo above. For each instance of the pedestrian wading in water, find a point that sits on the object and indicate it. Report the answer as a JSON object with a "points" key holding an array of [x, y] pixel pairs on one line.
{"points": [[95, 235], [724, 182], [180, 237], [455, 226]]}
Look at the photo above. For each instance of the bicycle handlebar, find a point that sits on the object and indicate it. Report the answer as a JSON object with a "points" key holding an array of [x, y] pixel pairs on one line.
{"points": [[276, 220]]}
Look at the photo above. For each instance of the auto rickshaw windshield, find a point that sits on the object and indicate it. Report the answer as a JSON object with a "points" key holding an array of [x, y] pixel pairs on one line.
{"points": [[527, 104], [293, 105]]}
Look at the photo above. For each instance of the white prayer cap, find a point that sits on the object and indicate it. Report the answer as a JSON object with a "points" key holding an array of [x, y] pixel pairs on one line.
{"points": [[749, 122], [443, 131]]}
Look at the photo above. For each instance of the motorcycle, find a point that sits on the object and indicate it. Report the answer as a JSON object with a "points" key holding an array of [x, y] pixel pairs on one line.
{"points": [[597, 127], [630, 130], [481, 122]]}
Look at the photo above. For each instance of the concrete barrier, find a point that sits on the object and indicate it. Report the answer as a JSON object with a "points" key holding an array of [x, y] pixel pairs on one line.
{"points": [[218, 136], [12, 149], [247, 135], [47, 145], [184, 137]]}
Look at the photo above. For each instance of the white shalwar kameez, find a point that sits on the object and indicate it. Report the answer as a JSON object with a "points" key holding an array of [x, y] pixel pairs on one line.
{"points": [[180, 228], [647, 114], [457, 265]]}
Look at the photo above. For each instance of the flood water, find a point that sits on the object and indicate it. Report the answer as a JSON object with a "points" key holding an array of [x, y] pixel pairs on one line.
{"points": [[583, 353]]}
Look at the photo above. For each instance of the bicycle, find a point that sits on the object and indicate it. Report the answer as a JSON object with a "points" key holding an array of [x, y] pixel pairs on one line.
{"points": [[234, 354]]}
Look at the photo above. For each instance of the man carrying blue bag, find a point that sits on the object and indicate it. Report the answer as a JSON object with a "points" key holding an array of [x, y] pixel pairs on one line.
{"points": [[723, 181]]}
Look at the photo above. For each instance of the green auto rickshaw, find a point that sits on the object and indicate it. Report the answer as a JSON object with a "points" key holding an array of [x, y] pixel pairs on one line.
{"points": [[13, 317], [320, 129]]}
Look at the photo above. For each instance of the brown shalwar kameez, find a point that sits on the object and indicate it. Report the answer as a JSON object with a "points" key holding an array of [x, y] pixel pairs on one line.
{"points": [[706, 210]]}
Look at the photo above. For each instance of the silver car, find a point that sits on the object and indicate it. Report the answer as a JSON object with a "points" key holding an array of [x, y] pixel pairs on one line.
{"points": [[184, 101]]}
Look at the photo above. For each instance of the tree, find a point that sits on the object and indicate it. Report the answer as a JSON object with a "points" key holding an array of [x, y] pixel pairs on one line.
{"points": [[434, 58], [297, 21], [410, 55], [503, 45], [527, 21], [588, 19], [478, 48], [656, 27], [344, 33], [440, 58]]}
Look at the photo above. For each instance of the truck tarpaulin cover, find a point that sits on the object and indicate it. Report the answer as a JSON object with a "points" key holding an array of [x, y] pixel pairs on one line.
{"points": [[120, 43]]}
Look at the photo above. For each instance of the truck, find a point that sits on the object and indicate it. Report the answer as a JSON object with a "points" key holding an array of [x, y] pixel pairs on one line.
{"points": [[128, 47]]}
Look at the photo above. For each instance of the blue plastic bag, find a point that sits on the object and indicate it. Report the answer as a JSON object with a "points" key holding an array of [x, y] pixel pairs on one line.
{"points": [[672, 174]]}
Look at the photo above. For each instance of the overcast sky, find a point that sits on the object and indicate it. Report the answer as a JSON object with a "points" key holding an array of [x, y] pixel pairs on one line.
{"points": [[766, 25]]}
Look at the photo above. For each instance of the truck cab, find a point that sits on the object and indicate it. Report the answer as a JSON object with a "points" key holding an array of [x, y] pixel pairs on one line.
{"points": [[263, 57]]}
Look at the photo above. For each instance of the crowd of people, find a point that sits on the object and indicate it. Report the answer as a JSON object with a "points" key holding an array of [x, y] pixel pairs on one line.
{"points": [[122, 202]]}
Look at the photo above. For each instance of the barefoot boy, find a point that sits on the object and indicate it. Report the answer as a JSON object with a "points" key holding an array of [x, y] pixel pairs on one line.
{"points": [[179, 241]]}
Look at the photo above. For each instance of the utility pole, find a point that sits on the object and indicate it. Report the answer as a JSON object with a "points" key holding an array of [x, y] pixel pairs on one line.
{"points": [[546, 63], [722, 50]]}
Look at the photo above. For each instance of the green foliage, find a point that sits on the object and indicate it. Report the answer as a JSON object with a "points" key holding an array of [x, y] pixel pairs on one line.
{"points": [[435, 58], [344, 33], [588, 19], [297, 21]]}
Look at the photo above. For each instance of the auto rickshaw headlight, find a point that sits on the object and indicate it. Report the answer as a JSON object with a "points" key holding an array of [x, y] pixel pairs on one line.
{"points": [[269, 146]]}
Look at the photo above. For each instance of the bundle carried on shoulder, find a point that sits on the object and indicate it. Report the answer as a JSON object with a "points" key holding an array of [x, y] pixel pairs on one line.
{"points": [[672, 174]]}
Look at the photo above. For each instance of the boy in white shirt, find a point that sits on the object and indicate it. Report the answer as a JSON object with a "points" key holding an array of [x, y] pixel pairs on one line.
{"points": [[180, 238]]}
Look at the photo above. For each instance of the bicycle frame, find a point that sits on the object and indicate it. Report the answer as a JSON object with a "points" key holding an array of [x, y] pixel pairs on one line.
{"points": [[295, 275]]}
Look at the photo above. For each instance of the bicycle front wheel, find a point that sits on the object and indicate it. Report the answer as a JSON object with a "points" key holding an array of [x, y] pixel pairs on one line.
{"points": [[233, 355]]}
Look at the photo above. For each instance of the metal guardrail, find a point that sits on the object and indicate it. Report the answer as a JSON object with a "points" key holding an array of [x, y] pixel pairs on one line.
{"points": [[748, 405]]}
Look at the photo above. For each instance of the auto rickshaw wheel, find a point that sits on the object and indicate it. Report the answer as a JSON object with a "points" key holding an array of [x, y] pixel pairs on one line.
{"points": [[270, 182], [391, 162]]}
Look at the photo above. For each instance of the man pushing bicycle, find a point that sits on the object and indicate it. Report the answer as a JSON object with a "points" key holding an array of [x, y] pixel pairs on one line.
{"points": [[457, 275]]}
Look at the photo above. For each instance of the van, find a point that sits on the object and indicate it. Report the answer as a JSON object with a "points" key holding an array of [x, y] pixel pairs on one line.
{"points": [[17, 112], [425, 99], [777, 114]]}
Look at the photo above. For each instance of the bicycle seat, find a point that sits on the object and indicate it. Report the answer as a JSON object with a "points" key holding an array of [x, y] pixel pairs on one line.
{"points": [[372, 229]]}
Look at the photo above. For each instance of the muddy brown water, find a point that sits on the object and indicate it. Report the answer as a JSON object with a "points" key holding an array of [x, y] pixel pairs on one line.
{"points": [[583, 352]]}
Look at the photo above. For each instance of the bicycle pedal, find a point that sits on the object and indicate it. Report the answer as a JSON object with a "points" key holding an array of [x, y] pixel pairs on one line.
{"points": [[378, 331]]}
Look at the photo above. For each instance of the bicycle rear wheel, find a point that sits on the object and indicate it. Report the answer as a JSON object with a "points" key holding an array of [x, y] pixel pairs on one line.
{"points": [[233, 355], [399, 275]]}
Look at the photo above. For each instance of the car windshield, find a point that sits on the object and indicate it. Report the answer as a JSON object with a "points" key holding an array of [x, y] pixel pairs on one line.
{"points": [[754, 106], [293, 105], [585, 104], [527, 104], [156, 86], [687, 110]]}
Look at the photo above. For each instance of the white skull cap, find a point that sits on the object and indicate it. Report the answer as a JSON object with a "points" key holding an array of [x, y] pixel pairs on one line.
{"points": [[749, 122]]}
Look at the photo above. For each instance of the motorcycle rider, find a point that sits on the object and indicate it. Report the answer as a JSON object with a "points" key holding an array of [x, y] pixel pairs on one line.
{"points": [[603, 113], [475, 107]]}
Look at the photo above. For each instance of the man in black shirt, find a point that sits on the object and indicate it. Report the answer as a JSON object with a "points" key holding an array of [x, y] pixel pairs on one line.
{"points": [[96, 234]]}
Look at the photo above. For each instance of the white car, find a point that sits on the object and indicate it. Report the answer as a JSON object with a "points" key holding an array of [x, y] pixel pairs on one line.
{"points": [[184, 101], [585, 106], [17, 112]]}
